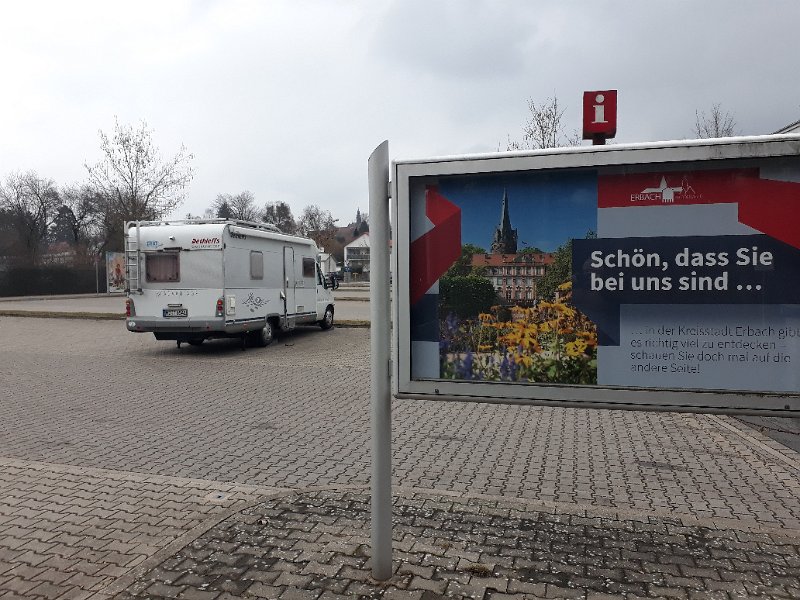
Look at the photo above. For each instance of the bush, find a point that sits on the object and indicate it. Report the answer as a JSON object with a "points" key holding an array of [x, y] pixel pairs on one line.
{"points": [[50, 280], [466, 296]]}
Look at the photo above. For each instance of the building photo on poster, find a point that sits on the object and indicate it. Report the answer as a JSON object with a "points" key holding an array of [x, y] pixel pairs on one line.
{"points": [[502, 309], [659, 276]]}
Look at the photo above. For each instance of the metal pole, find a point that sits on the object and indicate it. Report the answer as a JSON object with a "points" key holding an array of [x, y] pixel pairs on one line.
{"points": [[378, 171]]}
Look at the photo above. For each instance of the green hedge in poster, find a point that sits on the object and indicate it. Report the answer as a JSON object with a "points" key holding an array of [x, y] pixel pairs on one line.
{"points": [[466, 296]]}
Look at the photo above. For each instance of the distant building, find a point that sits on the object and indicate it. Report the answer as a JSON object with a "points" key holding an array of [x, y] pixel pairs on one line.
{"points": [[515, 276], [345, 235], [356, 255], [327, 263], [59, 253]]}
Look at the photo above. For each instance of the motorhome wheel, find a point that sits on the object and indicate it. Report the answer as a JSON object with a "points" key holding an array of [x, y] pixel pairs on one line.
{"points": [[327, 320], [265, 336]]}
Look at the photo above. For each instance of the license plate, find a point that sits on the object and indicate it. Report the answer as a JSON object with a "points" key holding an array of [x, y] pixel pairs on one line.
{"points": [[175, 312]]}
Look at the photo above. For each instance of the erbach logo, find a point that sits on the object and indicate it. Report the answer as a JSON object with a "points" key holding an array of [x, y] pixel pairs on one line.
{"points": [[667, 194]]}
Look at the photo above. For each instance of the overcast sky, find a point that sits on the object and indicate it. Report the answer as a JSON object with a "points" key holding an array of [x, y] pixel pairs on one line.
{"points": [[287, 99]]}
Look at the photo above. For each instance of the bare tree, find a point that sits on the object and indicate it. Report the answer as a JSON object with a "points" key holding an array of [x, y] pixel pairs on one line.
{"points": [[317, 224], [280, 215], [81, 209], [134, 178], [544, 128], [31, 202], [242, 206], [10, 241], [716, 124]]}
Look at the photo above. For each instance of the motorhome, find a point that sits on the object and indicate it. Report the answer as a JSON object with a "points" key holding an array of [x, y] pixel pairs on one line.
{"points": [[189, 281]]}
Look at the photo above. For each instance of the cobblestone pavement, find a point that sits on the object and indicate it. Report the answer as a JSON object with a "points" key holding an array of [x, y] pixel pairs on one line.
{"points": [[316, 545], [211, 429], [66, 532]]}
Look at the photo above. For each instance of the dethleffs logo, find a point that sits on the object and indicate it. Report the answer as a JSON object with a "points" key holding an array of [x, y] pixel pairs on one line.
{"points": [[667, 194], [205, 242]]}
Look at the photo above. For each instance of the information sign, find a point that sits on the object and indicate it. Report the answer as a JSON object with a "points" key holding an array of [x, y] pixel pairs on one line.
{"points": [[599, 115]]}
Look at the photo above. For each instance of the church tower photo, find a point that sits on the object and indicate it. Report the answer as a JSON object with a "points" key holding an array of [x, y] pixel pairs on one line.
{"points": [[515, 275], [505, 238]]}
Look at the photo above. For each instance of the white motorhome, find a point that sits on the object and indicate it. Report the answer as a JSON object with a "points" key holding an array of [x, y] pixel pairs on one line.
{"points": [[189, 281]]}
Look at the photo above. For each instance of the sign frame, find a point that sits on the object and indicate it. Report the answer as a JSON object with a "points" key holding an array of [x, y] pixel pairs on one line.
{"points": [[695, 152]]}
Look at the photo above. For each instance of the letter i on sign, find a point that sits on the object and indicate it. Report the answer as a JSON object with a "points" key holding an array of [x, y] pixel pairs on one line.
{"points": [[599, 109]]}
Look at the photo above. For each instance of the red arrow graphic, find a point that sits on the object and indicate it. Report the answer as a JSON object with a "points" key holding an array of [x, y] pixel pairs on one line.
{"points": [[435, 251], [772, 207]]}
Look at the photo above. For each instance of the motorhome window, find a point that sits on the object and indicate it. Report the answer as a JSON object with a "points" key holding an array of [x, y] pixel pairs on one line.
{"points": [[309, 266], [256, 265], [162, 267]]}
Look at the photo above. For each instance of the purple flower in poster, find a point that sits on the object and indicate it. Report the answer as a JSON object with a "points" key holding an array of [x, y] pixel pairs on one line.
{"points": [[508, 368], [451, 325], [449, 332], [465, 367], [505, 367]]}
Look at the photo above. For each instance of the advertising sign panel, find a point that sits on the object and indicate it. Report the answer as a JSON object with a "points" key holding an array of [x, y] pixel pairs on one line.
{"points": [[115, 272], [663, 276]]}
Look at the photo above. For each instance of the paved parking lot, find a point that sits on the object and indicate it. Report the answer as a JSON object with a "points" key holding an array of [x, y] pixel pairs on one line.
{"points": [[117, 451]]}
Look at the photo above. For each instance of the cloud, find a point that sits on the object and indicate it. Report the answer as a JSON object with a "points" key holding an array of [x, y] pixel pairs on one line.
{"points": [[472, 40], [288, 98]]}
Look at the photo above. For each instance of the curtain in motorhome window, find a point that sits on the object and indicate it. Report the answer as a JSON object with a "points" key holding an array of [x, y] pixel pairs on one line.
{"points": [[256, 265], [308, 267], [163, 267]]}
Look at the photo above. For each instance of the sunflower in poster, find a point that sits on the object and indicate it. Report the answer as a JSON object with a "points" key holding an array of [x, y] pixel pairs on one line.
{"points": [[551, 342]]}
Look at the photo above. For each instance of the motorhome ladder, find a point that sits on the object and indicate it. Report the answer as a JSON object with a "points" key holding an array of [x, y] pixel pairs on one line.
{"points": [[133, 282]]}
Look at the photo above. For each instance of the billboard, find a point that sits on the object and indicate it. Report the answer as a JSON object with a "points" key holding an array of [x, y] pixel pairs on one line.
{"points": [[663, 276], [115, 272]]}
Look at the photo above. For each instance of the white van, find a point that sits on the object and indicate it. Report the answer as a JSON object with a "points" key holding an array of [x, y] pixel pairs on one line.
{"points": [[194, 280]]}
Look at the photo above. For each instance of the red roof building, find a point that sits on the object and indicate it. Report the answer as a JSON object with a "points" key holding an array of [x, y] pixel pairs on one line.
{"points": [[515, 276]]}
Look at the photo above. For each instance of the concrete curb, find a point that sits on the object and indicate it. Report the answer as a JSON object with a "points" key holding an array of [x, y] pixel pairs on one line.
{"points": [[62, 315], [353, 323], [61, 297]]}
